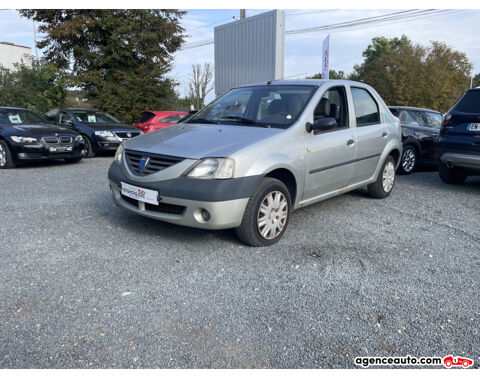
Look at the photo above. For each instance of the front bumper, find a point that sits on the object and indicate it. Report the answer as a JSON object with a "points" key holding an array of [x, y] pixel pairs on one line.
{"points": [[223, 214], [40, 151], [182, 199]]}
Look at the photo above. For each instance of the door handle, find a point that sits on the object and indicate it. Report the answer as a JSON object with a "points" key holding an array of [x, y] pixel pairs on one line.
{"points": [[350, 142], [384, 134]]}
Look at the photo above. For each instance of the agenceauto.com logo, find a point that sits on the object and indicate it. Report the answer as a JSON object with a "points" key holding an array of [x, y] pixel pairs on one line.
{"points": [[448, 361]]}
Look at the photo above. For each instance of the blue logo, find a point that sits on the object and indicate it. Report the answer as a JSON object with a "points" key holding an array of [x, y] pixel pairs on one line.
{"points": [[143, 162]]}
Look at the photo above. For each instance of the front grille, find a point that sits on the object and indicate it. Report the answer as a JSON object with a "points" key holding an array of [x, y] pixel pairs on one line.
{"points": [[124, 134], [165, 208], [57, 140], [155, 163], [50, 140]]}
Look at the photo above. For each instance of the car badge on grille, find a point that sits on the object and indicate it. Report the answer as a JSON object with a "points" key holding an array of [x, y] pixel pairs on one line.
{"points": [[129, 135], [143, 162]]}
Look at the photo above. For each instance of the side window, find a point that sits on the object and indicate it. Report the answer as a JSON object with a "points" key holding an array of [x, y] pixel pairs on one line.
{"points": [[433, 120], [366, 108], [51, 116], [170, 119], [333, 104], [410, 118], [64, 117]]}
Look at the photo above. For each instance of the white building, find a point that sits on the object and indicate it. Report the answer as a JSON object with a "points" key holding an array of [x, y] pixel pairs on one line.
{"points": [[11, 54]]}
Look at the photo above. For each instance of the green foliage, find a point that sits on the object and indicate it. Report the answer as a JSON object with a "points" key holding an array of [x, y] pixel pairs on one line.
{"points": [[119, 58], [476, 81], [333, 75], [39, 88]]}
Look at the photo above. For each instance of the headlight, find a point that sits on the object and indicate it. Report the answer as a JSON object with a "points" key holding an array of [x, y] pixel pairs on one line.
{"points": [[19, 139], [104, 133], [119, 154], [213, 168], [78, 138]]}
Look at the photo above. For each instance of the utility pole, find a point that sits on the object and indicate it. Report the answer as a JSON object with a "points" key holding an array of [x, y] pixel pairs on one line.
{"points": [[242, 13], [471, 82], [35, 39]]}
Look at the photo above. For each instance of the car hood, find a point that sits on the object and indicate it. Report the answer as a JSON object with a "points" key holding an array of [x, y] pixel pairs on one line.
{"points": [[196, 141], [39, 130]]}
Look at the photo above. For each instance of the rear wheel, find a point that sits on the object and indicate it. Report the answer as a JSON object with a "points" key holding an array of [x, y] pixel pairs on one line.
{"points": [[88, 147], [451, 175], [266, 215], [383, 186], [6, 160], [409, 160]]}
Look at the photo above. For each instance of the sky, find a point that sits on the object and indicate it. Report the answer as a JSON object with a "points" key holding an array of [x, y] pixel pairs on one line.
{"points": [[458, 29]]}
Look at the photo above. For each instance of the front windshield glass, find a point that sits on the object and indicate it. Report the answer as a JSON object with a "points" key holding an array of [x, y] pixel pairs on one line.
{"points": [[19, 117], [276, 106], [92, 116]]}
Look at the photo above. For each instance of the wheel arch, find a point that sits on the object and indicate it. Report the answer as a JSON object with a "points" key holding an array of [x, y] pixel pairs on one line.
{"points": [[288, 178]]}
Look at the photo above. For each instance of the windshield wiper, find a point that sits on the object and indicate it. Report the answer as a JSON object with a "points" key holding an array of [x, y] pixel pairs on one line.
{"points": [[201, 120], [244, 120]]}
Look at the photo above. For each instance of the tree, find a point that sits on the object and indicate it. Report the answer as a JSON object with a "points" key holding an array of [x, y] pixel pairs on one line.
{"points": [[119, 58], [412, 75], [476, 81], [40, 87], [332, 75], [199, 84]]}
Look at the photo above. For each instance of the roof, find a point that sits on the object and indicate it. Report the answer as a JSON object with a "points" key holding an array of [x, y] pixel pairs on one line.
{"points": [[317, 82], [13, 44], [413, 108]]}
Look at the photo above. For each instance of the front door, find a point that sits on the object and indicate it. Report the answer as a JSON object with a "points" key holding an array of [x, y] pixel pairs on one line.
{"points": [[330, 154]]}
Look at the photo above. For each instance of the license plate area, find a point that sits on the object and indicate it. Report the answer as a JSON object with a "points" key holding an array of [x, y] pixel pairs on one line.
{"points": [[473, 127], [60, 149], [140, 194]]}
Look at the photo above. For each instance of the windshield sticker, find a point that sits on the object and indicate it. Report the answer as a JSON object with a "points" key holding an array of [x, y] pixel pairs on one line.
{"points": [[14, 118], [92, 118]]}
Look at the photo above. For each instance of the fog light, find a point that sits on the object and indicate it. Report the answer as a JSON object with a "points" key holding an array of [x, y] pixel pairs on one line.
{"points": [[201, 215], [205, 215], [22, 155]]}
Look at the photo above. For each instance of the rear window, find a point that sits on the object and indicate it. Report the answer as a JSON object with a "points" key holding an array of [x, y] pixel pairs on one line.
{"points": [[145, 117], [469, 103]]}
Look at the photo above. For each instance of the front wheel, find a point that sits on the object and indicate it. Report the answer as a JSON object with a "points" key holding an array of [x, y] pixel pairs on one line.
{"points": [[409, 161], [266, 215], [6, 160], [88, 146], [383, 186]]}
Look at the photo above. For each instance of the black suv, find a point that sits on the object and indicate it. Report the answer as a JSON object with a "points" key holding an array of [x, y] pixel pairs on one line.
{"points": [[101, 131], [420, 129], [458, 147]]}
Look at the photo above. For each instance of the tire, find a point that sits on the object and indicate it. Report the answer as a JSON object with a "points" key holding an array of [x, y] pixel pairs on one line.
{"points": [[88, 147], [385, 182], [6, 159], [451, 175], [249, 232], [409, 161], [73, 160]]}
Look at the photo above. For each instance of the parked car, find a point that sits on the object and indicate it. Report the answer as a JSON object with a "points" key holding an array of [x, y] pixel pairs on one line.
{"points": [[458, 146], [26, 136], [101, 131], [152, 120], [259, 151], [420, 129]]}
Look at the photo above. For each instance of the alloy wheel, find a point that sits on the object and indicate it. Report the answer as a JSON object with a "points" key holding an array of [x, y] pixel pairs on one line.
{"points": [[408, 160], [272, 215], [3, 156], [388, 177]]}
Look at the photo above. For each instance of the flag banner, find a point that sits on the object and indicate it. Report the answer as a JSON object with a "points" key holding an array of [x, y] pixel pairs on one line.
{"points": [[325, 58]]}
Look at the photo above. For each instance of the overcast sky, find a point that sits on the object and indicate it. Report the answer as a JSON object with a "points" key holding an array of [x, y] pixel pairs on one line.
{"points": [[458, 29]]}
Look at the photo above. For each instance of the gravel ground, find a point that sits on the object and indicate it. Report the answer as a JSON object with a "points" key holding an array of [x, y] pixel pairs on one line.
{"points": [[86, 284]]}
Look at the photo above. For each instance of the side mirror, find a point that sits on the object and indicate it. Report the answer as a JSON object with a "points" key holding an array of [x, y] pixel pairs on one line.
{"points": [[68, 122], [321, 124]]}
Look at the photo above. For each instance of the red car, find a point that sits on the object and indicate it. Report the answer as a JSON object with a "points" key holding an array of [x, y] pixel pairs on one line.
{"points": [[450, 361], [152, 120]]}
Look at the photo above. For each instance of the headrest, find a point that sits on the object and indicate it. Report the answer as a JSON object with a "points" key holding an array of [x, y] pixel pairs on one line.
{"points": [[277, 106], [323, 108]]}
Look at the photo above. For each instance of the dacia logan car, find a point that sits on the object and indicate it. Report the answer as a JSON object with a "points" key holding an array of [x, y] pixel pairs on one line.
{"points": [[256, 153]]}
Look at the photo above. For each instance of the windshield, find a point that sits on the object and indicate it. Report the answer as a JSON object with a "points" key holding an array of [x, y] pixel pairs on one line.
{"points": [[276, 106], [19, 117], [92, 116]]}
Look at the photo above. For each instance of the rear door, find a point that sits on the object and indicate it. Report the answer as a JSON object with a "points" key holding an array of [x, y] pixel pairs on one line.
{"points": [[370, 134]]}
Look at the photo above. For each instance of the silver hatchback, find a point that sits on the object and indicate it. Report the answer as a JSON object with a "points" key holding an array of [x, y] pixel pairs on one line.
{"points": [[256, 153]]}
